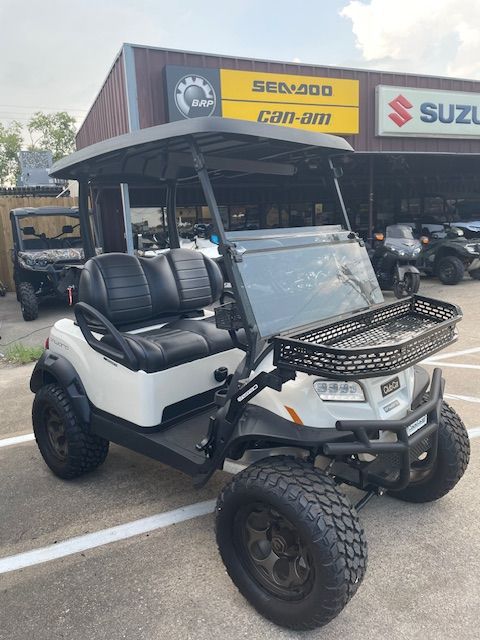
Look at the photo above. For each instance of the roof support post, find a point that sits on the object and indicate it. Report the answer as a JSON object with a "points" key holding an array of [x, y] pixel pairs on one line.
{"points": [[127, 217], [336, 173], [173, 238], [228, 250], [370, 196], [84, 215]]}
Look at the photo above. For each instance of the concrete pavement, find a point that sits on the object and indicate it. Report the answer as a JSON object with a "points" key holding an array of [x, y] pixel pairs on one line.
{"points": [[423, 578]]}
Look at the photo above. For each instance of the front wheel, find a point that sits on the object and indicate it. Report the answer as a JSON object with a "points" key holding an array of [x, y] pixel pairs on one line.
{"points": [[450, 270], [28, 301], [429, 483], [291, 542]]}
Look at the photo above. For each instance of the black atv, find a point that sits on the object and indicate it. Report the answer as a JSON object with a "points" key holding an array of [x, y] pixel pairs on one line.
{"points": [[47, 255], [447, 254]]}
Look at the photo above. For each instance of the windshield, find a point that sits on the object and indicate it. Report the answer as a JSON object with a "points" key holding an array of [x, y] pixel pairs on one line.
{"points": [[40, 232], [296, 277], [399, 231]]}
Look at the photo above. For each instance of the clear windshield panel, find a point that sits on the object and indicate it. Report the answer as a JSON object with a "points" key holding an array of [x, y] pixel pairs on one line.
{"points": [[297, 277], [399, 231]]}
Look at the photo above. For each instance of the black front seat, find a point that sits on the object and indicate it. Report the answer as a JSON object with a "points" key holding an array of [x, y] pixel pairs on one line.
{"points": [[131, 291]]}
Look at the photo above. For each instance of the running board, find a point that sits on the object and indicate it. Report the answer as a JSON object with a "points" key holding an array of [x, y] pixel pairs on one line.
{"points": [[174, 446]]}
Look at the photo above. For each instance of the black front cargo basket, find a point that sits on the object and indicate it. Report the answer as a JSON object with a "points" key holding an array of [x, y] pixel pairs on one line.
{"points": [[378, 342]]}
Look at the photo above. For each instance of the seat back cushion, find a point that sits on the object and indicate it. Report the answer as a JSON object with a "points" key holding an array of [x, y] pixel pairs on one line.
{"points": [[127, 289]]}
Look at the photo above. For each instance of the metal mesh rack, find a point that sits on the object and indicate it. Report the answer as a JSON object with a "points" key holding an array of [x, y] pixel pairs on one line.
{"points": [[378, 342]]}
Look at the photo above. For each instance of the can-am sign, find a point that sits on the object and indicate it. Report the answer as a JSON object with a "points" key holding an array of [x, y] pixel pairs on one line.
{"points": [[424, 113], [305, 102]]}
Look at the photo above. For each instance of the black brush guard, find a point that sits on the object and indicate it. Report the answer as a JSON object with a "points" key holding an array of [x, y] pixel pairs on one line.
{"points": [[379, 342], [392, 465]]}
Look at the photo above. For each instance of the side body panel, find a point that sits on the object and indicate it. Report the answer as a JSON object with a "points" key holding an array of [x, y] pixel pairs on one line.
{"points": [[135, 396]]}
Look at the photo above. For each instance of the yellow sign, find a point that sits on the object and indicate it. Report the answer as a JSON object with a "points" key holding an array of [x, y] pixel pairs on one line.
{"points": [[304, 102]]}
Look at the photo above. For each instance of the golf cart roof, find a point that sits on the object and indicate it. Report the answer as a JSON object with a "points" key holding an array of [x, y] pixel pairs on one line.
{"points": [[163, 152], [25, 212]]}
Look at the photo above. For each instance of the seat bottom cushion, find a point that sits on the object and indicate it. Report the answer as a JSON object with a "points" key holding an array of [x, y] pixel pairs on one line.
{"points": [[176, 343]]}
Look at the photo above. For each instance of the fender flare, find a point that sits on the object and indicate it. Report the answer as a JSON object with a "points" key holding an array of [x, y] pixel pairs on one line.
{"points": [[56, 368]]}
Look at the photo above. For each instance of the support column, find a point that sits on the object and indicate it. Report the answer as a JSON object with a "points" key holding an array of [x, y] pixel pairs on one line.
{"points": [[84, 215], [370, 195], [127, 217]]}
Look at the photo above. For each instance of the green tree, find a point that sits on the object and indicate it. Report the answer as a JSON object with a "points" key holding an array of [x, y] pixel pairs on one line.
{"points": [[52, 131], [10, 145]]}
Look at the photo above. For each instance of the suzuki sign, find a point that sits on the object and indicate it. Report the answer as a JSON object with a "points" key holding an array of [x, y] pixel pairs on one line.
{"points": [[427, 113]]}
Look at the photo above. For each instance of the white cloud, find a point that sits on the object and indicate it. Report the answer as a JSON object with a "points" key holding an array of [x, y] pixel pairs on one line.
{"points": [[420, 36]]}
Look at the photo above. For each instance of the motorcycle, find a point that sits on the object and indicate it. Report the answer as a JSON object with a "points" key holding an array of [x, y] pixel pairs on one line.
{"points": [[394, 256]]}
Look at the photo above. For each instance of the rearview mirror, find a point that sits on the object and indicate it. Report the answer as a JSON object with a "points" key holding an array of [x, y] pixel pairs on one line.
{"points": [[28, 231], [214, 239], [67, 228]]}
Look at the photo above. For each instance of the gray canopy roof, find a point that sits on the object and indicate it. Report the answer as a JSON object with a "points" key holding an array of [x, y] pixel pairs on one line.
{"points": [[163, 152]]}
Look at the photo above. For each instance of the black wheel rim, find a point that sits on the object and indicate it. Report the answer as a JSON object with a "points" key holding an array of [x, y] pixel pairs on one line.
{"points": [[448, 271], [55, 430], [272, 552]]}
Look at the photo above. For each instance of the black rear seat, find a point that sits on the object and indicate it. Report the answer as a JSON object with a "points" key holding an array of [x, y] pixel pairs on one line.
{"points": [[127, 289]]}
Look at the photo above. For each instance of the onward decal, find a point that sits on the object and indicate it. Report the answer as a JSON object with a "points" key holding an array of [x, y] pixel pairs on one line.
{"points": [[304, 102], [424, 113]]}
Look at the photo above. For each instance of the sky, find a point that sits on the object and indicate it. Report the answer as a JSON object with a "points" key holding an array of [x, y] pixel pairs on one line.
{"points": [[54, 54]]}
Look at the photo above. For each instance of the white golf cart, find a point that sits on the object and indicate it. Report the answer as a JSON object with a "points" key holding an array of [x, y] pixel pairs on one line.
{"points": [[307, 377]]}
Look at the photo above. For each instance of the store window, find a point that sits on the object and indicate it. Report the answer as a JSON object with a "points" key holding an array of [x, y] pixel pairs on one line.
{"points": [[301, 214], [149, 229]]}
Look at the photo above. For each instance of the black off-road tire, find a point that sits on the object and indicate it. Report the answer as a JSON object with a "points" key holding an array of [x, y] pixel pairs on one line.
{"points": [[80, 451], [475, 274], [28, 301], [450, 270], [327, 526], [453, 455]]}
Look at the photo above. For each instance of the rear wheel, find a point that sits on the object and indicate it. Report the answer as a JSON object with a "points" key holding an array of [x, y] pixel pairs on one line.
{"points": [[450, 270], [429, 483], [28, 301], [291, 542], [67, 448]]}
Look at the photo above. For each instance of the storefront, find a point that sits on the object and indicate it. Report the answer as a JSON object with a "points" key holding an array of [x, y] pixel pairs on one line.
{"points": [[417, 138]]}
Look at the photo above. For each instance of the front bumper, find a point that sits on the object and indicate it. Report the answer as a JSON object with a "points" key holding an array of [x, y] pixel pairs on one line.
{"points": [[390, 469]]}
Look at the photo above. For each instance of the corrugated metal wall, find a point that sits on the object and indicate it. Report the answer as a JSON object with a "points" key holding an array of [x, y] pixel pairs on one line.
{"points": [[108, 116]]}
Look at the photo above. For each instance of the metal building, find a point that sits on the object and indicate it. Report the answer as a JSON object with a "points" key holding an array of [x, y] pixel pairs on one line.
{"points": [[417, 137]]}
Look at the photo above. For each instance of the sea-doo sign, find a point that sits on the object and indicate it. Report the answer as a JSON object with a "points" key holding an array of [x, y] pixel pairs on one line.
{"points": [[425, 113], [304, 102]]}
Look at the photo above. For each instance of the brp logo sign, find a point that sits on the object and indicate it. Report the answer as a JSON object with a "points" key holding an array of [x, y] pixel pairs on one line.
{"points": [[400, 116], [195, 96]]}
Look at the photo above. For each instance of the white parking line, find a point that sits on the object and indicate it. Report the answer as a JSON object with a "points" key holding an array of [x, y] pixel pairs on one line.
{"points": [[440, 363], [106, 536], [120, 532], [454, 396], [7, 442], [454, 354]]}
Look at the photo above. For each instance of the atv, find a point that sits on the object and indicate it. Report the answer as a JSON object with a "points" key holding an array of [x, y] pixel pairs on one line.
{"points": [[47, 256], [447, 254], [305, 376]]}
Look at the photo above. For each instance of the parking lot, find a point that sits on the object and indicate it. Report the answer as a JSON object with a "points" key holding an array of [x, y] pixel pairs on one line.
{"points": [[129, 551]]}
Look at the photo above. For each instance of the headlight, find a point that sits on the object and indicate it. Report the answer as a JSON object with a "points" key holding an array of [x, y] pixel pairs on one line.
{"points": [[472, 248], [339, 391], [417, 250]]}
